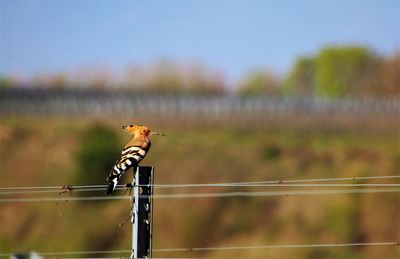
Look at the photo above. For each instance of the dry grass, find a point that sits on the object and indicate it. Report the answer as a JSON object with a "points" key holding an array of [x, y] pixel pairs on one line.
{"points": [[42, 152]]}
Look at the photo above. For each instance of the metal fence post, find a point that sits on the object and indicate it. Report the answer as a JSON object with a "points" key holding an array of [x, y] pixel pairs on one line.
{"points": [[142, 213]]}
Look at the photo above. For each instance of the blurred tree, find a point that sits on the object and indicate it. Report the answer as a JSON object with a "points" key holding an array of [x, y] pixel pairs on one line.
{"points": [[343, 71], [98, 150], [39, 80], [5, 82], [58, 81], [259, 83], [134, 77], [165, 78], [200, 81], [98, 77], [390, 76], [102, 78], [300, 81]]}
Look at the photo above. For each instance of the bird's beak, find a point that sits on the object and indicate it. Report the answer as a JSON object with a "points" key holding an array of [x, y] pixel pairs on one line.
{"points": [[157, 133], [125, 128]]}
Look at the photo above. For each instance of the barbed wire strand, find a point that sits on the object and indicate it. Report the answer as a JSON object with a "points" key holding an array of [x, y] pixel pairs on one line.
{"points": [[128, 257], [227, 184], [207, 195], [276, 246], [220, 185], [192, 249], [355, 178]]}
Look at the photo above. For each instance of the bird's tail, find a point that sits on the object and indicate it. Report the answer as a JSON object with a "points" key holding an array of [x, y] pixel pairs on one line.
{"points": [[112, 180]]}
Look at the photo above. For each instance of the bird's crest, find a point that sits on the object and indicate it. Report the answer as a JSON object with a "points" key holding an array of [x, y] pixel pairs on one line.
{"points": [[140, 130]]}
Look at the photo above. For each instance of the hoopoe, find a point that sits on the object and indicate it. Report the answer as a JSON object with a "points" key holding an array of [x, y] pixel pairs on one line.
{"points": [[132, 154]]}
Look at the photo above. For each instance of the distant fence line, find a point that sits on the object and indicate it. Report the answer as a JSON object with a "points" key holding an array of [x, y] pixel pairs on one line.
{"points": [[19, 101]]}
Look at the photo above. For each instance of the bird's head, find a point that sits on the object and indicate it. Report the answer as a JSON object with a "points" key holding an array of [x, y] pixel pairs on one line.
{"points": [[140, 130]]}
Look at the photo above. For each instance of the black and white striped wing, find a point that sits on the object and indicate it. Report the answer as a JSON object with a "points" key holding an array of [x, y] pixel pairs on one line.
{"points": [[130, 157]]}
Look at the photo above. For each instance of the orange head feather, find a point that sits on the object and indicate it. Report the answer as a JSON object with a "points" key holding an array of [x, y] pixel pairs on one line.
{"points": [[140, 130]]}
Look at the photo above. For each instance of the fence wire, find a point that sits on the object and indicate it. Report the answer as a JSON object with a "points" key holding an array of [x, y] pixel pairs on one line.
{"points": [[194, 249], [205, 195]]}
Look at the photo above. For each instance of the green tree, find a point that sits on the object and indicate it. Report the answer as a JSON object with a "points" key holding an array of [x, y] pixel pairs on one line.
{"points": [[300, 81], [259, 83], [5, 82], [343, 71]]}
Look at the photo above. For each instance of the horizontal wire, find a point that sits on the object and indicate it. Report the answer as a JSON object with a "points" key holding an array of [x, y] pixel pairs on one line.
{"points": [[275, 182], [220, 185], [80, 252], [327, 245], [355, 178], [206, 195], [50, 191], [228, 184], [54, 187], [128, 257], [275, 246]]}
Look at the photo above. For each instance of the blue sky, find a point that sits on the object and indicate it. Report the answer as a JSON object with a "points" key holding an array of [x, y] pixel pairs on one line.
{"points": [[42, 36]]}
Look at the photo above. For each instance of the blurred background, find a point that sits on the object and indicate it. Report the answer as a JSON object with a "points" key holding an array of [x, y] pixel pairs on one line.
{"points": [[245, 90]]}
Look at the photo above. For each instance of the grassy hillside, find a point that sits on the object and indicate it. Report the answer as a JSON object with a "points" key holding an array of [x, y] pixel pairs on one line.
{"points": [[44, 152]]}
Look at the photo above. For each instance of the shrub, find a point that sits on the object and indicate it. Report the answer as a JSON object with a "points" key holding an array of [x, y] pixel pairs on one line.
{"points": [[272, 152], [97, 152]]}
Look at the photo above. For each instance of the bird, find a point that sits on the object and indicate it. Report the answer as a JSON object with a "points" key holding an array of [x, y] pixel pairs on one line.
{"points": [[132, 154]]}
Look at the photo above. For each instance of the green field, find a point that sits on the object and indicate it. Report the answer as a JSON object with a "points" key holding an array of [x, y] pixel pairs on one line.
{"points": [[47, 152]]}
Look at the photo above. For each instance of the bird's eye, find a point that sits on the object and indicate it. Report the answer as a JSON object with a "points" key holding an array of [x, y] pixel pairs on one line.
{"points": [[130, 126]]}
